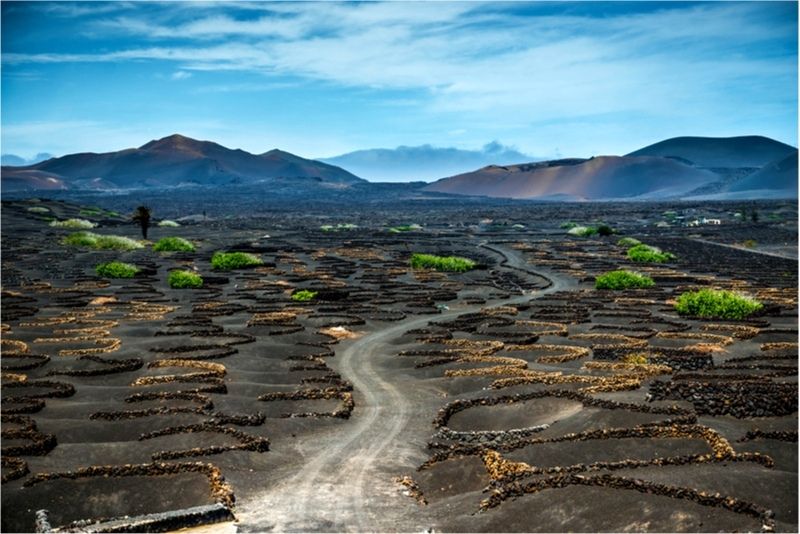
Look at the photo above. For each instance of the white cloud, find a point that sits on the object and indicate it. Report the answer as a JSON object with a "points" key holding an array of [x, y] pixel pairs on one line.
{"points": [[481, 60]]}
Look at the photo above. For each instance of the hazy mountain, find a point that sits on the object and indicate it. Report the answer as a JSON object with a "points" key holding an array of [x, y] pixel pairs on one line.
{"points": [[425, 162], [17, 161], [746, 151], [601, 177], [172, 161]]}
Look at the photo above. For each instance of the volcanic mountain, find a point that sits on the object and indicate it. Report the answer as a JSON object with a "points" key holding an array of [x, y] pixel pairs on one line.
{"points": [[682, 167], [720, 152], [172, 161]]}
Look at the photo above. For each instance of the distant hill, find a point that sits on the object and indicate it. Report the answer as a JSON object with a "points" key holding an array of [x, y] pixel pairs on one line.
{"points": [[682, 167], [18, 161], [746, 151], [425, 162], [172, 161], [597, 178]]}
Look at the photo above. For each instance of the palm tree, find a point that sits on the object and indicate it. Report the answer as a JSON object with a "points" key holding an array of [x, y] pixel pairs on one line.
{"points": [[142, 216]]}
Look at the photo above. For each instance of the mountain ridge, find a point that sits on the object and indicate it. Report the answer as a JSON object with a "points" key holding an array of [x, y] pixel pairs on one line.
{"points": [[667, 169], [170, 161]]}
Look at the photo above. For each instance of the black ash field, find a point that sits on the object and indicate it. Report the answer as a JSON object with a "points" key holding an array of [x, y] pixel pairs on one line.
{"points": [[511, 397]]}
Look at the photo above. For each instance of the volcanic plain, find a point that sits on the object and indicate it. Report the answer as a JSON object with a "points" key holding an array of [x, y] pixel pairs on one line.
{"points": [[334, 388]]}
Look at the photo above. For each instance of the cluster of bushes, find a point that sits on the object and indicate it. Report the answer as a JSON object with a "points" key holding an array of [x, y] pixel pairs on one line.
{"points": [[75, 224], [441, 263], [716, 304], [173, 244], [303, 295], [166, 223], [588, 231], [116, 269], [628, 242], [582, 231], [338, 227], [93, 211], [623, 280], [646, 254], [225, 261], [101, 242], [184, 279], [405, 228]]}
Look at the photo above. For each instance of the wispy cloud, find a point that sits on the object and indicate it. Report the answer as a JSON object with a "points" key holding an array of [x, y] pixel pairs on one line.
{"points": [[535, 68], [468, 56]]}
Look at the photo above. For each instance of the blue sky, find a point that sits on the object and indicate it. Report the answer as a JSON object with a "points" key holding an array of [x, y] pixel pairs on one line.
{"points": [[551, 79]]}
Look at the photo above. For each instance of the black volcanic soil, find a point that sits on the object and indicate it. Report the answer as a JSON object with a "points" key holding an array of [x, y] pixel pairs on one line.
{"points": [[493, 400]]}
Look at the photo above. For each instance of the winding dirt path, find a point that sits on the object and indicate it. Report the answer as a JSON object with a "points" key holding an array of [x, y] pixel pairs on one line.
{"points": [[346, 483]]}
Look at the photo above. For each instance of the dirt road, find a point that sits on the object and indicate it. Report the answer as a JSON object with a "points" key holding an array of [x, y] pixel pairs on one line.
{"points": [[346, 483]]}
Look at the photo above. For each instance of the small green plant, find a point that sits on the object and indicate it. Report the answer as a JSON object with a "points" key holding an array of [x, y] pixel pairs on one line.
{"points": [[338, 227], [303, 295], [582, 231], [569, 225], [628, 242], [75, 224], [184, 279], [605, 230], [405, 228], [101, 242], [749, 243], [173, 244], [38, 209], [91, 212], [166, 223], [646, 254], [441, 263], [225, 261], [623, 280], [116, 269], [716, 304]]}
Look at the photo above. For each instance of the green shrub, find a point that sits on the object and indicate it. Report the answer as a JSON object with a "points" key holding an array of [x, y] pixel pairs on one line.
{"points": [[38, 209], [604, 230], [173, 244], [184, 279], [646, 254], [116, 269], [405, 228], [91, 212], [441, 263], [101, 242], [628, 242], [338, 227], [569, 225], [582, 231], [225, 261], [166, 223], [716, 304], [303, 295], [75, 224], [622, 280]]}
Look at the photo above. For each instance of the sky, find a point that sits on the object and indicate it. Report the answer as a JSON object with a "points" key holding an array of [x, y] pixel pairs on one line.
{"points": [[560, 79]]}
